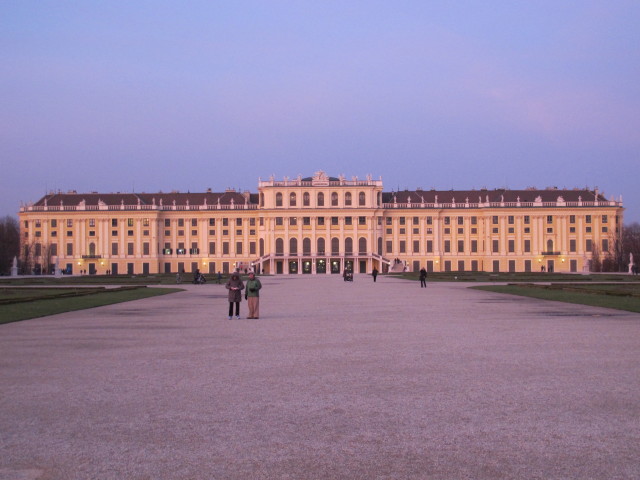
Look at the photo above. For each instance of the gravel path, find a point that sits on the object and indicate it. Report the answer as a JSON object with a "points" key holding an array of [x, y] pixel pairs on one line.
{"points": [[336, 380]]}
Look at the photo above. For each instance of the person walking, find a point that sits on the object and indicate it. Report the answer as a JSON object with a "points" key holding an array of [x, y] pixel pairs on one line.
{"points": [[219, 277], [423, 278], [252, 295], [235, 287], [374, 274]]}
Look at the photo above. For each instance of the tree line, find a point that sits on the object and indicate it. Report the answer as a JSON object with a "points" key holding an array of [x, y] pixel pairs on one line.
{"points": [[9, 243], [615, 260]]}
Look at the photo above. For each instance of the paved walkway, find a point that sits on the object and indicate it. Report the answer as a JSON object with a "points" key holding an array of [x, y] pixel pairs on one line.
{"points": [[335, 381]]}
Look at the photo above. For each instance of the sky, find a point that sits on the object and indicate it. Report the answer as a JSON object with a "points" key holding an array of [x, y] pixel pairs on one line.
{"points": [[148, 96]]}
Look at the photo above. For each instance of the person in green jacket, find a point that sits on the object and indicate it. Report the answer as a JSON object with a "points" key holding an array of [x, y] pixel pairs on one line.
{"points": [[252, 295]]}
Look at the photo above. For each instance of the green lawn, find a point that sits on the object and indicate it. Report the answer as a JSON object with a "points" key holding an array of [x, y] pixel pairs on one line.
{"points": [[21, 304], [520, 277], [617, 296], [158, 279]]}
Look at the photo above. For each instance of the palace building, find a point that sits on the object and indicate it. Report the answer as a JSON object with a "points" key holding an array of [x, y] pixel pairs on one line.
{"points": [[320, 225]]}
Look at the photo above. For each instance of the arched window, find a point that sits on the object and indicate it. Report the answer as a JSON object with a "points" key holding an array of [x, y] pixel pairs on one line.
{"points": [[335, 246], [379, 199], [292, 199], [279, 246], [347, 199], [306, 199], [362, 246], [334, 199], [278, 199], [362, 199], [321, 199], [549, 245], [320, 246], [262, 199], [348, 246], [92, 248], [293, 246], [306, 246]]}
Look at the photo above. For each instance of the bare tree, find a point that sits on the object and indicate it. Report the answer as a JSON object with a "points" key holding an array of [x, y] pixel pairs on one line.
{"points": [[596, 262], [631, 244], [9, 243], [28, 258]]}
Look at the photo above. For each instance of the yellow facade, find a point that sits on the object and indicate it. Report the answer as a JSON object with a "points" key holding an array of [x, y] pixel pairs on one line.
{"points": [[319, 225]]}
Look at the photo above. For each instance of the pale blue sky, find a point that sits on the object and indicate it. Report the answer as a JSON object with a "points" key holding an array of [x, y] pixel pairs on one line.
{"points": [[151, 95]]}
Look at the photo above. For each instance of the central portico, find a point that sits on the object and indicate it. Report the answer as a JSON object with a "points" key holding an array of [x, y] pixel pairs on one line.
{"points": [[319, 224]]}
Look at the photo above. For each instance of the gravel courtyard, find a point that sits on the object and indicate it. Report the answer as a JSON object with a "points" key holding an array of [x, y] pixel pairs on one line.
{"points": [[337, 380]]}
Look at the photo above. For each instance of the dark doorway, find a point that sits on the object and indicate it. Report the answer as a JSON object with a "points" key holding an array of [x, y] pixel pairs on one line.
{"points": [[335, 266], [293, 266]]}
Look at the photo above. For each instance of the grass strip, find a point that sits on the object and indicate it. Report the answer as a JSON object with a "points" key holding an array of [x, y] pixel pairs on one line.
{"points": [[28, 294], [43, 280], [52, 305], [621, 301], [488, 277]]}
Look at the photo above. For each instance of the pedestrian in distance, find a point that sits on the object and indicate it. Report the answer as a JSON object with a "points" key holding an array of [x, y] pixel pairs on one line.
{"points": [[235, 287], [374, 274], [423, 278], [252, 296], [219, 277]]}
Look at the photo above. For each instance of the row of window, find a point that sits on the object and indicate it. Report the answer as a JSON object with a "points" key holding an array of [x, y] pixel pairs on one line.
{"points": [[447, 220], [145, 222], [306, 199], [293, 221], [320, 221], [511, 246], [321, 248]]}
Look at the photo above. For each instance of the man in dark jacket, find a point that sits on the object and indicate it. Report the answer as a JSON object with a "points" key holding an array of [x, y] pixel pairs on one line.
{"points": [[235, 287], [252, 294]]}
